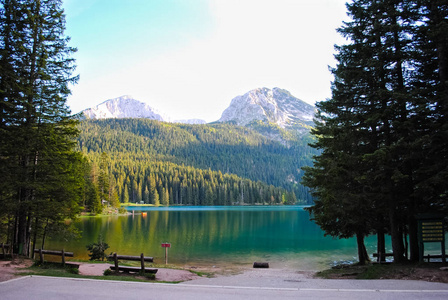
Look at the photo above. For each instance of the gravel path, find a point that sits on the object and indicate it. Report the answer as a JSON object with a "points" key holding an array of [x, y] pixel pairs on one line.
{"points": [[279, 278]]}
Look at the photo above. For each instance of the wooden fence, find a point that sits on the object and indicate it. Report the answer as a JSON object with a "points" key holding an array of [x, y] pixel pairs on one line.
{"points": [[61, 253]]}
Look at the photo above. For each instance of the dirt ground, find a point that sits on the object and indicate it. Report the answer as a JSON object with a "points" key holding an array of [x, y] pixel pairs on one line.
{"points": [[162, 274], [10, 269], [425, 272]]}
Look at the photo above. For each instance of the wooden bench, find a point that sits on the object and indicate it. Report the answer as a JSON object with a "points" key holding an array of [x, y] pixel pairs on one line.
{"points": [[140, 258], [428, 257], [61, 253], [383, 255]]}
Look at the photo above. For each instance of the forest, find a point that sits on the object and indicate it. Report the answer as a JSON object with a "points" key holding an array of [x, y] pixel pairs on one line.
{"points": [[158, 163], [384, 132], [42, 177]]}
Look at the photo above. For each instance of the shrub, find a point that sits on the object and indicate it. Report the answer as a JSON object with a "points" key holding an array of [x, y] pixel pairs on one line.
{"points": [[97, 250], [107, 272]]}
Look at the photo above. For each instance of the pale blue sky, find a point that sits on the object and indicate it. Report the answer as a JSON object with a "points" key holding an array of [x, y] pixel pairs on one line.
{"points": [[189, 58]]}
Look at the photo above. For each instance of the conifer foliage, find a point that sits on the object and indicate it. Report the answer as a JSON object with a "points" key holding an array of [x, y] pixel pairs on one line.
{"points": [[383, 134], [40, 174], [151, 162]]}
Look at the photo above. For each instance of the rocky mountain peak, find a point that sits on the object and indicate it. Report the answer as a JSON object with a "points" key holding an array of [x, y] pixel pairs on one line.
{"points": [[128, 107], [268, 105], [122, 107]]}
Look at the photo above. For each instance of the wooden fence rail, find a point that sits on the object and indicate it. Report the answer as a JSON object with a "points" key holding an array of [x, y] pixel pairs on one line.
{"points": [[61, 253]]}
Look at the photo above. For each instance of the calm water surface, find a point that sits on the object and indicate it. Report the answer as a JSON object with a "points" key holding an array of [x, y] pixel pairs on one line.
{"points": [[282, 236]]}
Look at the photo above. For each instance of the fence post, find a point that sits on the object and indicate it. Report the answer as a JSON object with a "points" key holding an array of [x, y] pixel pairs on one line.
{"points": [[142, 259], [116, 261], [63, 257]]}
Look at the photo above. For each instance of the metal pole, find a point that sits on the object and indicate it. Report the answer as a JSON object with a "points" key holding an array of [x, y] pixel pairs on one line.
{"points": [[166, 255]]}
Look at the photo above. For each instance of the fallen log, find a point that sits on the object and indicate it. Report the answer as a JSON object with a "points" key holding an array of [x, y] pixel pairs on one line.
{"points": [[261, 265]]}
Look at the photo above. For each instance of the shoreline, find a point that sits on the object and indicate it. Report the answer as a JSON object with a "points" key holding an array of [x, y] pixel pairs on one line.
{"points": [[429, 272]]}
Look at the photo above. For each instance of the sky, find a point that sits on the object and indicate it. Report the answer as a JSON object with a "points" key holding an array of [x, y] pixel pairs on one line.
{"points": [[190, 58]]}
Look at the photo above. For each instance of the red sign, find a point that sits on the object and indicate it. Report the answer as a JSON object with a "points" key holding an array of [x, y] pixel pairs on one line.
{"points": [[165, 245]]}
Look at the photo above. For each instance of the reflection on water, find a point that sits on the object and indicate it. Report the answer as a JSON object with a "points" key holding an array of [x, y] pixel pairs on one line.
{"points": [[283, 236]]}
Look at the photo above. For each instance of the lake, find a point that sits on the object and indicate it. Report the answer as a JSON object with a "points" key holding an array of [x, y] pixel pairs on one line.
{"points": [[218, 236]]}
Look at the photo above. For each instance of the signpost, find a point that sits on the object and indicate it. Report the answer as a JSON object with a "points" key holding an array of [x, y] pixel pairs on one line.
{"points": [[431, 230], [166, 246]]}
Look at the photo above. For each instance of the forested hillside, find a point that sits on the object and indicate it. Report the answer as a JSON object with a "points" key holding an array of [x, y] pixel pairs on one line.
{"points": [[216, 164]]}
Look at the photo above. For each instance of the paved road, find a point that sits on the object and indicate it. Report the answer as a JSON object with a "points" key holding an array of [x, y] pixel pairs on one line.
{"points": [[48, 288]]}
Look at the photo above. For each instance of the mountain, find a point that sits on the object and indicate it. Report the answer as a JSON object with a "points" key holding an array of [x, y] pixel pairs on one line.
{"points": [[274, 106], [274, 113], [122, 107], [128, 107]]}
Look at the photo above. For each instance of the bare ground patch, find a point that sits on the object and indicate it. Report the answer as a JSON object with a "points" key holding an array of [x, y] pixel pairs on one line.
{"points": [[10, 269], [431, 272]]}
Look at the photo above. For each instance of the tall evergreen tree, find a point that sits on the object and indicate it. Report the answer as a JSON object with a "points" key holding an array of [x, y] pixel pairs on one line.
{"points": [[36, 130], [379, 125], [104, 178]]}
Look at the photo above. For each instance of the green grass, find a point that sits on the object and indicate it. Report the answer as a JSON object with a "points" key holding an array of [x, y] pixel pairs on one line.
{"points": [[375, 271]]}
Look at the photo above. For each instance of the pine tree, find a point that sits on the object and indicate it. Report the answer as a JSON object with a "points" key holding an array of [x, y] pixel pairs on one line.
{"points": [[125, 193], [146, 196], [104, 178], [36, 132], [156, 198], [165, 197], [379, 125]]}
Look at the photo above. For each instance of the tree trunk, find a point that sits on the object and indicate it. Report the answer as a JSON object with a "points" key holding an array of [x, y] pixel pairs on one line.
{"points": [[396, 237], [381, 245], [21, 231], [28, 235], [34, 238], [413, 239], [44, 235], [362, 251]]}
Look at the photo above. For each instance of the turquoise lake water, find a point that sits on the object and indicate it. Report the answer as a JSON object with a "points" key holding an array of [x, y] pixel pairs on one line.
{"points": [[217, 236]]}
